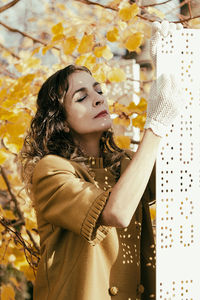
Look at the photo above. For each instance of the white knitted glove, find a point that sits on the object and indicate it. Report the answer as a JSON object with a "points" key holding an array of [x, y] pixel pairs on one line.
{"points": [[165, 102], [160, 30]]}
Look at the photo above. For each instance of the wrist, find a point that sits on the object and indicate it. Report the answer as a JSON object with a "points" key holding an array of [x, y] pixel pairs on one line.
{"points": [[150, 134], [159, 129]]}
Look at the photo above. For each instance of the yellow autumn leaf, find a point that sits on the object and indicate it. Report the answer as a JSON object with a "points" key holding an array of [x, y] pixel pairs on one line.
{"points": [[69, 45], [86, 44], [118, 108], [122, 141], [3, 155], [46, 48], [3, 185], [107, 54], [13, 143], [58, 37], [3, 94], [19, 67], [61, 6], [152, 209], [142, 105], [81, 60], [98, 51], [128, 12], [29, 273], [30, 224], [113, 35], [90, 61], [26, 79], [86, 60], [103, 51], [8, 214], [132, 106], [7, 292], [134, 41], [116, 75], [139, 121], [57, 29], [2, 228], [99, 73], [15, 129], [33, 62], [155, 11], [122, 25]]}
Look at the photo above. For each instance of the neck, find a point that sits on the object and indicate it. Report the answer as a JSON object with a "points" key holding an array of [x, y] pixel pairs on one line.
{"points": [[89, 144]]}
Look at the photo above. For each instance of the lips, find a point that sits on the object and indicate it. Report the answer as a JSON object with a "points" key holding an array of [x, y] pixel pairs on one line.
{"points": [[103, 113]]}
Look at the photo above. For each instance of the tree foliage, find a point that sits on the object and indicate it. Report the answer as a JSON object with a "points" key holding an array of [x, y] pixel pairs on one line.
{"points": [[80, 32]]}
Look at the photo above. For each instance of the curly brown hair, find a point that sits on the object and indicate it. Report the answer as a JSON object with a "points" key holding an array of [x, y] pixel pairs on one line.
{"points": [[47, 134]]}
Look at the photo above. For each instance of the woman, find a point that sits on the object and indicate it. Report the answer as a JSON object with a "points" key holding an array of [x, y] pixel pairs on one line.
{"points": [[91, 198]]}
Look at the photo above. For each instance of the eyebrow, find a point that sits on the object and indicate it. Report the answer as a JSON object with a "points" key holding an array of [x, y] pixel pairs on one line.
{"points": [[84, 89]]}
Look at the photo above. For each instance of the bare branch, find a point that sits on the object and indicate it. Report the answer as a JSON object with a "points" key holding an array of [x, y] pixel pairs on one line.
{"points": [[139, 15], [32, 240], [21, 241], [187, 19], [8, 5], [9, 51], [13, 198], [26, 35], [18, 210], [97, 4], [155, 4], [189, 9]]}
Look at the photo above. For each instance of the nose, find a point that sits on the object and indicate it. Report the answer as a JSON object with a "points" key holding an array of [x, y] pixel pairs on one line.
{"points": [[98, 100]]}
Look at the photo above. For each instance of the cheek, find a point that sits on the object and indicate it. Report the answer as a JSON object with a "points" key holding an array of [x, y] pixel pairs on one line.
{"points": [[77, 115]]}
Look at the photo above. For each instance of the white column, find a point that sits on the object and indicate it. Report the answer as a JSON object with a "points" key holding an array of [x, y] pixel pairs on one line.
{"points": [[178, 176]]}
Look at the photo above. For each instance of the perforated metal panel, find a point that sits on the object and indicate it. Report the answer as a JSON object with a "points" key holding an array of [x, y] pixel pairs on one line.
{"points": [[178, 175]]}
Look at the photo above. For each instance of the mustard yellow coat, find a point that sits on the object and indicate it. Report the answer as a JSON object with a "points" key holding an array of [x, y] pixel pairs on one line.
{"points": [[81, 260]]}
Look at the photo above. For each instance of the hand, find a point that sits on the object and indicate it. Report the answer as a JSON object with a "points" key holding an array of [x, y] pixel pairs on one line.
{"points": [[165, 102], [160, 30]]}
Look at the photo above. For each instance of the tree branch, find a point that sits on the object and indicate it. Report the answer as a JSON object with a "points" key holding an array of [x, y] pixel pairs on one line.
{"points": [[13, 198], [33, 241], [8, 5], [97, 4], [21, 241], [26, 35], [18, 210], [189, 9], [139, 15], [155, 4], [9, 51]]}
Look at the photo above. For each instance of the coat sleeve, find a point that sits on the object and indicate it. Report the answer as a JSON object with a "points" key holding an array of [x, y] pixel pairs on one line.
{"points": [[64, 199]]}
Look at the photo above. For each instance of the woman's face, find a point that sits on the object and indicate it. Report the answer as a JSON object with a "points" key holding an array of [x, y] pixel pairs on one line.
{"points": [[86, 107]]}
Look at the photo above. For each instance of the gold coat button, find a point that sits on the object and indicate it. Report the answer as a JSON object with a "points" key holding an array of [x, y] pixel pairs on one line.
{"points": [[113, 290], [140, 289]]}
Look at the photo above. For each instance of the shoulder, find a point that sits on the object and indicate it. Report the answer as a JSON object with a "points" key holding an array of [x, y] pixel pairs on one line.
{"points": [[50, 164], [54, 161]]}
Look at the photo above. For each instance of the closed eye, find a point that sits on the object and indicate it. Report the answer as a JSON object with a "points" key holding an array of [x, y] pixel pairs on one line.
{"points": [[81, 99]]}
